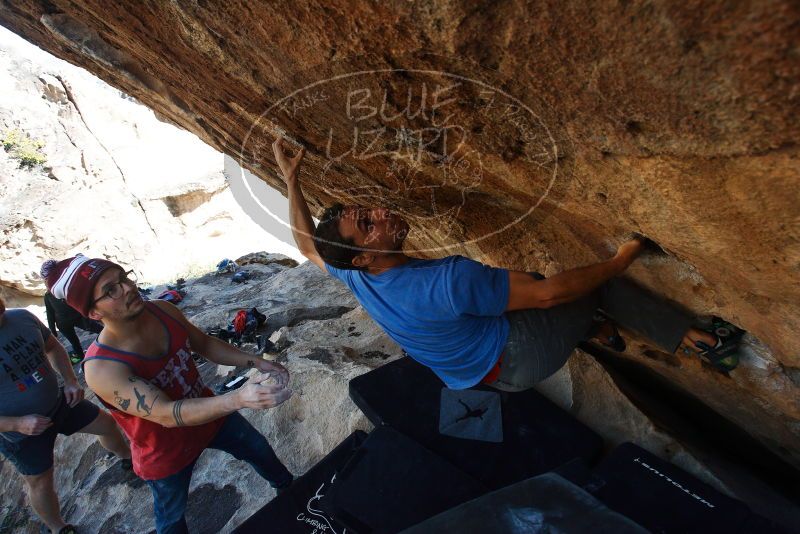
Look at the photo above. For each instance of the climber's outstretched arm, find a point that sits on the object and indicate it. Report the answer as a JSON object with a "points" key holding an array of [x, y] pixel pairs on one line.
{"points": [[299, 214], [527, 292]]}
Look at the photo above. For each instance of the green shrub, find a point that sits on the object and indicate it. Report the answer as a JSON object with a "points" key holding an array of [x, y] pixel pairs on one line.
{"points": [[11, 139], [22, 147]]}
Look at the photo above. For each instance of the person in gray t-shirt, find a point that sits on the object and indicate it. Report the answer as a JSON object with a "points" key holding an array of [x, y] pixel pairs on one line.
{"points": [[34, 409], [28, 383]]}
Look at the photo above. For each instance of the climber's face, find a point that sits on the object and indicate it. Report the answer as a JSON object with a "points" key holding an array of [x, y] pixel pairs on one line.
{"points": [[115, 297], [374, 229]]}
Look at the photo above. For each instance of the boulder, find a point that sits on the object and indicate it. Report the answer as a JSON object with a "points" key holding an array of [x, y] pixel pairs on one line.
{"points": [[532, 136]]}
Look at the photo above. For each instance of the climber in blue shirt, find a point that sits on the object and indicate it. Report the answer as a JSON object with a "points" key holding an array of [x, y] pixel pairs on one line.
{"points": [[468, 322]]}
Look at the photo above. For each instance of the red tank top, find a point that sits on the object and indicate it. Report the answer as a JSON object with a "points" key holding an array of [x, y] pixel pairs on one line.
{"points": [[157, 451]]}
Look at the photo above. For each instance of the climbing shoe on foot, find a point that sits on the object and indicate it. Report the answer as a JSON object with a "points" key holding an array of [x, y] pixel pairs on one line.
{"points": [[724, 354], [605, 331]]}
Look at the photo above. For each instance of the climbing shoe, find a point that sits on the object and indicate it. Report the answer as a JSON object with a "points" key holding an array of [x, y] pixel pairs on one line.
{"points": [[724, 355], [605, 331]]}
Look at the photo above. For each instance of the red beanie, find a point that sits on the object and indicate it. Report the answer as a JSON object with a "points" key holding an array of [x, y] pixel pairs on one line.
{"points": [[74, 279]]}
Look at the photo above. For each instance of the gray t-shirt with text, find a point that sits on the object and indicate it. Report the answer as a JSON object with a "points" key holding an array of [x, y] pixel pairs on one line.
{"points": [[28, 384]]}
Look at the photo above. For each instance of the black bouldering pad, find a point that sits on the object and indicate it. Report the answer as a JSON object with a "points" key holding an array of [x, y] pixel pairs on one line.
{"points": [[538, 436], [296, 511], [661, 496], [545, 503], [392, 483]]}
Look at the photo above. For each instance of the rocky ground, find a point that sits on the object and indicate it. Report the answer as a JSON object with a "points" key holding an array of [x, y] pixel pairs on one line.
{"points": [[324, 338]]}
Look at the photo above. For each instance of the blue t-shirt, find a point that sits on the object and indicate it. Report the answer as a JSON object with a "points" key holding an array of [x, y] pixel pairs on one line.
{"points": [[447, 314]]}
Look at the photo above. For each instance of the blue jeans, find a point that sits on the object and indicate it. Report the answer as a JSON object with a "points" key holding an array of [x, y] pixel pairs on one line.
{"points": [[238, 438]]}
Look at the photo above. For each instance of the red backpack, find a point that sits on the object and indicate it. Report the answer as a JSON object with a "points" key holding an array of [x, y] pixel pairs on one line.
{"points": [[240, 322]]}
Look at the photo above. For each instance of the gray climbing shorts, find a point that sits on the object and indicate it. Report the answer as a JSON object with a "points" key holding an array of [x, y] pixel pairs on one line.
{"points": [[541, 340]]}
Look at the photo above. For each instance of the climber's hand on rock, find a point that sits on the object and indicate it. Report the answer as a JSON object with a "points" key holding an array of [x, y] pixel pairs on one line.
{"points": [[630, 250], [260, 395], [288, 165], [275, 370]]}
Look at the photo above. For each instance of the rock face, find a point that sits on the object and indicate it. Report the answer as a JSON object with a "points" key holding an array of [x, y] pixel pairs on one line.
{"points": [[531, 136], [325, 339], [115, 181]]}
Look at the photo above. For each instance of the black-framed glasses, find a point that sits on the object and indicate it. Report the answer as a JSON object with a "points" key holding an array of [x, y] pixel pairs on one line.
{"points": [[116, 290]]}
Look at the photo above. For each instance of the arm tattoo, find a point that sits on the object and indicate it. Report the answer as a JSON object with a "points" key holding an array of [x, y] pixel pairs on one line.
{"points": [[123, 403], [141, 405], [176, 412], [251, 363]]}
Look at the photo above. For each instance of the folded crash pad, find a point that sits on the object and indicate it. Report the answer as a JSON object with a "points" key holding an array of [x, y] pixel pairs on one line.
{"points": [[537, 436], [545, 503], [296, 511], [392, 483]]}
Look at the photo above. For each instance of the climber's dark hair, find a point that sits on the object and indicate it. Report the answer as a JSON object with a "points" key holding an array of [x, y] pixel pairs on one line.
{"points": [[334, 249]]}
